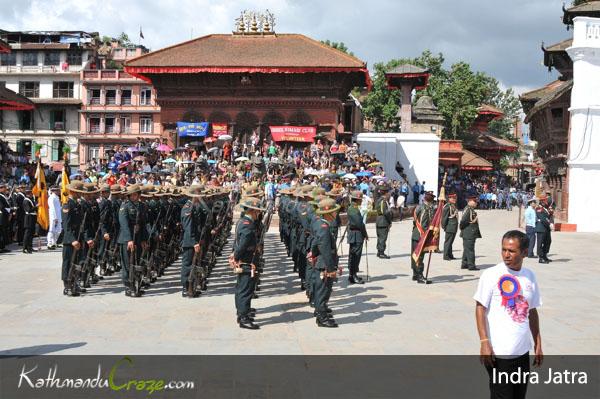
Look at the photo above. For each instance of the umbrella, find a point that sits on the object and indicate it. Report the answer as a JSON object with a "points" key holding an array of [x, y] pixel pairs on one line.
{"points": [[181, 149], [213, 149], [210, 139], [142, 149], [169, 160], [349, 176], [378, 178], [375, 164], [225, 137], [187, 162], [240, 159], [75, 175], [133, 149], [211, 161], [124, 165], [341, 172], [139, 158], [364, 173], [164, 148], [101, 173]]}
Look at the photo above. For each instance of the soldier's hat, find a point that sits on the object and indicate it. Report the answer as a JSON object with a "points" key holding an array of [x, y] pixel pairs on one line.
{"points": [[3, 185], [54, 188], [105, 187], [90, 188], [148, 190], [77, 186], [176, 192], [533, 199], [429, 196], [116, 189], [252, 191], [356, 195], [132, 189], [318, 198], [318, 191], [195, 190], [327, 205], [384, 188], [473, 197], [336, 192], [252, 203], [286, 191], [452, 195]]}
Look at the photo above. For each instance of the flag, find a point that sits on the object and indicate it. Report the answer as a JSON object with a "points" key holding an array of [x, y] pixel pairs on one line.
{"points": [[141, 33], [430, 239], [64, 192], [40, 191]]}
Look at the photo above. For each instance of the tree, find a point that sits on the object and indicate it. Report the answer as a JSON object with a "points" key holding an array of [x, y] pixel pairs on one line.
{"points": [[579, 2], [123, 38], [338, 46], [457, 93]]}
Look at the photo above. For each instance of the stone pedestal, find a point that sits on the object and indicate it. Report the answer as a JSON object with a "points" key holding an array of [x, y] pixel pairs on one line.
{"points": [[584, 137]]}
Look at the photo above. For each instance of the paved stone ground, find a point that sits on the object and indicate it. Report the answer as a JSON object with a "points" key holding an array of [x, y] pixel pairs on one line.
{"points": [[389, 315]]}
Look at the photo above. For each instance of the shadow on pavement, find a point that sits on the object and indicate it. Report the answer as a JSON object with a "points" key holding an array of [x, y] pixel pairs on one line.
{"points": [[39, 349]]}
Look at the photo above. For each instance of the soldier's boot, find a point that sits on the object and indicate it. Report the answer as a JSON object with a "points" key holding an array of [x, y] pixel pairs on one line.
{"points": [[128, 290], [66, 287], [324, 320], [422, 280], [247, 323], [354, 279], [302, 285]]}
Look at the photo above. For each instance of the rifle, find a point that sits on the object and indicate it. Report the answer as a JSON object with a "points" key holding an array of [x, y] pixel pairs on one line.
{"points": [[148, 260], [197, 264], [75, 268], [132, 256], [89, 258]]}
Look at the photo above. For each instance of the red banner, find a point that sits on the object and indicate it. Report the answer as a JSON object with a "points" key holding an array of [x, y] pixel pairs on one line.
{"points": [[219, 129], [303, 134]]}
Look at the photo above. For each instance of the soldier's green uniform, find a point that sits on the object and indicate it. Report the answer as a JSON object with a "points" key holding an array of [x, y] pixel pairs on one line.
{"points": [[450, 226], [324, 248], [421, 219], [469, 226], [131, 228], [357, 233], [106, 223], [71, 223], [193, 220], [382, 223], [244, 251]]}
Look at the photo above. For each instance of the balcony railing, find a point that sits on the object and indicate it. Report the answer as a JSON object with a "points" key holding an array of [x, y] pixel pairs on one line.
{"points": [[39, 69], [112, 74], [95, 100]]}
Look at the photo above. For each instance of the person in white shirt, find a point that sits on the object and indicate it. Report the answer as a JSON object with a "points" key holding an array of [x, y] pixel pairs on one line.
{"points": [[507, 299], [54, 217]]}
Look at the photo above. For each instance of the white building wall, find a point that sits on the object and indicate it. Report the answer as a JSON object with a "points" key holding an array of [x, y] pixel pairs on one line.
{"points": [[418, 154], [584, 139]]}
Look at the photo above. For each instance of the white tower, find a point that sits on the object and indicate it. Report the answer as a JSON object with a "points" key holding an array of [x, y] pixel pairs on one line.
{"points": [[584, 140]]}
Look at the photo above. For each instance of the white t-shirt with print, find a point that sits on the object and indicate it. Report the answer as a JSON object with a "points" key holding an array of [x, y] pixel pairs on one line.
{"points": [[508, 326]]}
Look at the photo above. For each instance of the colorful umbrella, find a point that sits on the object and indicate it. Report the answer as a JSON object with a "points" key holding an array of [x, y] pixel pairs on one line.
{"points": [[169, 160], [241, 159], [164, 148], [225, 137], [139, 158], [375, 164], [364, 173], [124, 164], [133, 149], [349, 176]]}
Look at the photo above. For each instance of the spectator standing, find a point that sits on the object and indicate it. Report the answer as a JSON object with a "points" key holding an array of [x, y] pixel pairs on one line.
{"points": [[530, 219], [507, 299]]}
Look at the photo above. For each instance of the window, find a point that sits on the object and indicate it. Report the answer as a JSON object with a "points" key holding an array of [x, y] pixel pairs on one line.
{"points": [[131, 52], [8, 59], [145, 96], [25, 120], [125, 124], [24, 147], [94, 124], [118, 53], [57, 150], [52, 58], [557, 113], [94, 96], [57, 119], [109, 124], [62, 89], [93, 152], [126, 97], [146, 124], [29, 89], [30, 58], [74, 58], [2, 83], [111, 96]]}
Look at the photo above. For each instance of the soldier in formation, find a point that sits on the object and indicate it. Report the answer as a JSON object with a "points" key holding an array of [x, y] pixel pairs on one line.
{"points": [[422, 217], [450, 225], [469, 231], [383, 222]]}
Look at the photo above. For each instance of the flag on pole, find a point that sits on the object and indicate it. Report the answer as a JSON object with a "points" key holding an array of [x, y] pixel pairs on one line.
{"points": [[64, 192], [141, 33], [40, 191], [430, 239]]}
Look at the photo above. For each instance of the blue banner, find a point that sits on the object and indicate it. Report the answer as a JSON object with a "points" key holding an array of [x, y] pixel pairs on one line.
{"points": [[192, 129]]}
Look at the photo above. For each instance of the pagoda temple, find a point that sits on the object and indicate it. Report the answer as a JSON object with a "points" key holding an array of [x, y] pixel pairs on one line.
{"points": [[253, 80], [547, 113]]}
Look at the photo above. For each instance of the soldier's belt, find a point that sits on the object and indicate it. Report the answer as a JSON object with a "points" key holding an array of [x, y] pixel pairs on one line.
{"points": [[325, 274]]}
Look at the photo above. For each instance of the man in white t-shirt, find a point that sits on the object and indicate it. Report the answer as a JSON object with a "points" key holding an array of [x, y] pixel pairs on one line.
{"points": [[507, 299]]}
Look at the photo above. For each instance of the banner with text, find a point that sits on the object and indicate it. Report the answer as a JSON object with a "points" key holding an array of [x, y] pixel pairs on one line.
{"points": [[302, 134], [192, 129], [219, 129]]}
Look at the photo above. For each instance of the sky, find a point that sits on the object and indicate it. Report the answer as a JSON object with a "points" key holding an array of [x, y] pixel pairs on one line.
{"points": [[499, 37]]}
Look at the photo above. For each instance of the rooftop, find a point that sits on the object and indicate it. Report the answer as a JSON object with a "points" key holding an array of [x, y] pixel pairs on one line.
{"points": [[588, 9], [548, 94], [406, 69], [9, 100], [230, 51]]}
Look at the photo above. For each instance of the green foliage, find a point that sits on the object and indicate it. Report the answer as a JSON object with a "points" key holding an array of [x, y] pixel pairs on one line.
{"points": [[457, 93], [106, 39], [66, 149], [123, 38], [339, 46], [579, 2], [37, 147]]}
